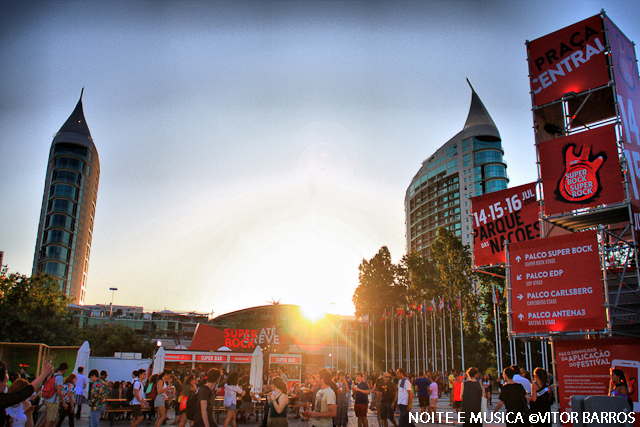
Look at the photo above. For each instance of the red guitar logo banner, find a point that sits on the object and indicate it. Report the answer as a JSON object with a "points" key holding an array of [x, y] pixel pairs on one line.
{"points": [[581, 171], [580, 182]]}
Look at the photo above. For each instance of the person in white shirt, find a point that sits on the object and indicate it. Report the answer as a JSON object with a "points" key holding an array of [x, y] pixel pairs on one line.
{"points": [[404, 398], [139, 399], [81, 385], [519, 379]]}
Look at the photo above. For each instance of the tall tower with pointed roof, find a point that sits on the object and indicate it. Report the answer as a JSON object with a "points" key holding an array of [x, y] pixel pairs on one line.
{"points": [[467, 165], [68, 209]]}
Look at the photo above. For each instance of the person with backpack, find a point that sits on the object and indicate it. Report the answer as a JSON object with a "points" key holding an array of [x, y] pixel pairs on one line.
{"points": [[137, 395], [206, 398], [52, 395], [188, 395]]}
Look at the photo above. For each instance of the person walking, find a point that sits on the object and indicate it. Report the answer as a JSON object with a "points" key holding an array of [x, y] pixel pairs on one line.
{"points": [[68, 393], [404, 397], [97, 397], [163, 385], [139, 401], [278, 403], [540, 399], [81, 386], [361, 389], [471, 391], [206, 398]]}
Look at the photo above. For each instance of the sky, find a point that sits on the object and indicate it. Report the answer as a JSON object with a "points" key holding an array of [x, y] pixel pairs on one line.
{"points": [[256, 151]]}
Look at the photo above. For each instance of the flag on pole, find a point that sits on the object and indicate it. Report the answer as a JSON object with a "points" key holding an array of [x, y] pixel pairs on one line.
{"points": [[459, 303], [432, 307], [441, 306], [494, 295], [400, 312], [413, 306], [420, 308], [385, 316]]}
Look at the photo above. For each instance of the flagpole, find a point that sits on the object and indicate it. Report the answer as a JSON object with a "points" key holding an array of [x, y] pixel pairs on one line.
{"points": [[368, 345], [373, 340], [424, 336], [453, 363], [461, 336], [416, 346], [386, 351], [399, 341], [434, 342], [443, 325], [393, 340], [408, 350]]}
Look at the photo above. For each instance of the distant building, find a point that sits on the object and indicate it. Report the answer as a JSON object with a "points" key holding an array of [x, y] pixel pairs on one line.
{"points": [[173, 329], [68, 209], [467, 165]]}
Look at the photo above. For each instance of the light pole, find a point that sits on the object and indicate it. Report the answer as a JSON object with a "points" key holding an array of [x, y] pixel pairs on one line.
{"points": [[113, 291]]}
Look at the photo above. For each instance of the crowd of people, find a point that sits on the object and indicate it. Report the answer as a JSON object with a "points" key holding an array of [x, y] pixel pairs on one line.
{"points": [[323, 398]]}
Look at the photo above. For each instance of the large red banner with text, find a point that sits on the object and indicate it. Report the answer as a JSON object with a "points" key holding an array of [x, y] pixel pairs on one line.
{"points": [[584, 366], [581, 170], [568, 60], [625, 72], [556, 284], [510, 215]]}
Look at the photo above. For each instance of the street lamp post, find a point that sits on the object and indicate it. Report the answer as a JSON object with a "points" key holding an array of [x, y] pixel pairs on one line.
{"points": [[113, 290]]}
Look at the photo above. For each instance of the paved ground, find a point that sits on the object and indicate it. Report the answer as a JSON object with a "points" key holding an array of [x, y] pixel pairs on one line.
{"points": [[443, 409]]}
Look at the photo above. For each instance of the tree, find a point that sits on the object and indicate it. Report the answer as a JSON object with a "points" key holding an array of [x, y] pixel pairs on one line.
{"points": [[107, 339], [33, 309], [379, 289]]}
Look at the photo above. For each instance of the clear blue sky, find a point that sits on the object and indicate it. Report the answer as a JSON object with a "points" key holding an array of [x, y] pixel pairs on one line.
{"points": [[257, 150]]}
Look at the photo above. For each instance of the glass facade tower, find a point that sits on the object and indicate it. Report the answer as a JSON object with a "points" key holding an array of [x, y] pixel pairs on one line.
{"points": [[468, 165], [68, 209]]}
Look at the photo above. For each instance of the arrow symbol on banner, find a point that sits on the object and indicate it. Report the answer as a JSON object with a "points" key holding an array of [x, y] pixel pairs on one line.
{"points": [[520, 316], [520, 297], [518, 258], [519, 277]]}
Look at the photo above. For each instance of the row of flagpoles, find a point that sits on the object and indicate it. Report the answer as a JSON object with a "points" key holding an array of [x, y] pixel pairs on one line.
{"points": [[416, 337]]}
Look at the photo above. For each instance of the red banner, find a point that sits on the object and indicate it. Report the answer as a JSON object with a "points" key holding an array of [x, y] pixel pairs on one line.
{"points": [[285, 360], [568, 60], [240, 359], [181, 357], [510, 214], [212, 358], [581, 171], [625, 72], [584, 366], [556, 284]]}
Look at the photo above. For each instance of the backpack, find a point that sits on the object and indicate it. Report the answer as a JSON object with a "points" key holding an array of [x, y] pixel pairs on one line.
{"points": [[130, 395], [192, 406], [49, 387], [154, 392]]}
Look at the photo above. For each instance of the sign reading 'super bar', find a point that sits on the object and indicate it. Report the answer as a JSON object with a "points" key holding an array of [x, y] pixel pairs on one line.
{"points": [[510, 215], [625, 72], [581, 170], [569, 60], [556, 284]]}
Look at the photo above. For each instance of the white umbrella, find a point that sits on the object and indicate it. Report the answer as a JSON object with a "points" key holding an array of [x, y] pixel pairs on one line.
{"points": [[82, 358], [158, 361], [255, 377]]}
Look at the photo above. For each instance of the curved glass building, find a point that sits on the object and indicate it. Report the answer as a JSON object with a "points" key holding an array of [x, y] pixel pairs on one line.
{"points": [[68, 209], [469, 164]]}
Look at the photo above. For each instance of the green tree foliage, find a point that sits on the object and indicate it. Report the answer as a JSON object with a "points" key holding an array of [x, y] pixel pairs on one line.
{"points": [[109, 339], [453, 266], [34, 310], [379, 287]]}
